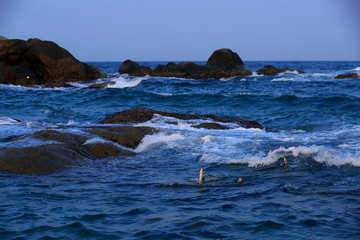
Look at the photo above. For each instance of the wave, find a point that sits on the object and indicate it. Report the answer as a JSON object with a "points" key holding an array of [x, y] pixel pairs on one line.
{"points": [[151, 141], [122, 82], [356, 69], [284, 79], [8, 121], [320, 154]]}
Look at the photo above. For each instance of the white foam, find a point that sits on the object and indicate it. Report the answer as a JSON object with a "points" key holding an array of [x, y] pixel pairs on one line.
{"points": [[152, 141], [122, 82], [7, 121], [95, 140], [357, 69], [284, 79]]}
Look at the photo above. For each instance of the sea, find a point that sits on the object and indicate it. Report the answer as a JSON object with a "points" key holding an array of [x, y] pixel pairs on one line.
{"points": [[311, 119]]}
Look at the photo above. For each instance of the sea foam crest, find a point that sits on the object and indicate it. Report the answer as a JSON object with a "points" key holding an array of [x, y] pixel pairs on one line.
{"points": [[7, 120], [122, 82], [151, 141], [357, 69], [320, 154]]}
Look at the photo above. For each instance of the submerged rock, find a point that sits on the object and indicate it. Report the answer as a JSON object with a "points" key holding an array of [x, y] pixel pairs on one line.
{"points": [[271, 70], [349, 75], [223, 63], [141, 115], [35, 62], [102, 85], [61, 150]]}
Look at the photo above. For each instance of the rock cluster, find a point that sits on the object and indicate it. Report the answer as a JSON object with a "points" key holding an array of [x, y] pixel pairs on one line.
{"points": [[35, 62], [63, 148], [223, 63]]}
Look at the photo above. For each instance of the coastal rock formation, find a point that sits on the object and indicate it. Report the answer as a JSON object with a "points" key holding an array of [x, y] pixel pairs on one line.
{"points": [[223, 63], [61, 150], [349, 75], [35, 61], [141, 115], [271, 70]]}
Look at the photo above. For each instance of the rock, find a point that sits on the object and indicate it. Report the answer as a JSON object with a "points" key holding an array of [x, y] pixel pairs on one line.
{"points": [[56, 85], [102, 85], [126, 136], [133, 69], [223, 63], [36, 62], [349, 75], [141, 115], [271, 70], [213, 126], [3, 38], [61, 149]]}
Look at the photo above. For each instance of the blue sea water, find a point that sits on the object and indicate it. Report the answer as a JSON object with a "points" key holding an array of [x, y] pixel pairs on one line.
{"points": [[311, 119]]}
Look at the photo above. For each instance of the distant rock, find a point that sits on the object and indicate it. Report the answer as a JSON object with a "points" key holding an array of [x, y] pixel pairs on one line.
{"points": [[141, 115], [271, 70], [133, 69], [35, 62], [213, 126], [349, 75], [223, 63]]}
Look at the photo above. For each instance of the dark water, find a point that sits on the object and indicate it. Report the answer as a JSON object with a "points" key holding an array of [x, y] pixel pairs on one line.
{"points": [[312, 119]]}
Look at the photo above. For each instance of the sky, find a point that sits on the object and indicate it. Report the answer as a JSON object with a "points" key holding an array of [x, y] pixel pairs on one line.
{"points": [[179, 30]]}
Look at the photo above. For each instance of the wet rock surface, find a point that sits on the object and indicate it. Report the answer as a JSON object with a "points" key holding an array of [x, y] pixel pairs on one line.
{"points": [[223, 63], [36, 62], [271, 70]]}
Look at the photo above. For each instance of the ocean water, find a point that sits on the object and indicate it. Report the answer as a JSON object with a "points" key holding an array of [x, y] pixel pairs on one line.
{"points": [[311, 119]]}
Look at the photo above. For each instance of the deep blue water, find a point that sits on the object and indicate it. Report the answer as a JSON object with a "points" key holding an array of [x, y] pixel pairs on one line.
{"points": [[312, 119]]}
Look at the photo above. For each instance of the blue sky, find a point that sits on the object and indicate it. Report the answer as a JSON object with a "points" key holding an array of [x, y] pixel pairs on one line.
{"points": [[115, 30]]}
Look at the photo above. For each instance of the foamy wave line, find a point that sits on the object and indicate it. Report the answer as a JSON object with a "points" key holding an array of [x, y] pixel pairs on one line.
{"points": [[151, 141], [284, 79], [7, 121], [357, 69], [121, 82], [320, 154]]}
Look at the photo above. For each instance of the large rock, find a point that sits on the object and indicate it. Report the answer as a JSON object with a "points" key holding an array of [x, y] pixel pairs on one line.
{"points": [[223, 63], [271, 70], [133, 69], [141, 115], [62, 149], [36, 62], [349, 75]]}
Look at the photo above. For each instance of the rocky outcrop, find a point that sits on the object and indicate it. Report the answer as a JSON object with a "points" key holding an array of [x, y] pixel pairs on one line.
{"points": [[271, 70], [223, 63], [349, 75], [141, 115], [61, 149], [37, 62]]}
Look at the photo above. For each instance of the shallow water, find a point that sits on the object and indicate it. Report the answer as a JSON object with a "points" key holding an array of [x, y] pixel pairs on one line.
{"points": [[311, 119]]}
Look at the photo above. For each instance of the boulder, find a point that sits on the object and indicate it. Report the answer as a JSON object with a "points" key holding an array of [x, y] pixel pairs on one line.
{"points": [[223, 63], [62, 149], [349, 75], [133, 69], [36, 62], [271, 70], [141, 115], [212, 126]]}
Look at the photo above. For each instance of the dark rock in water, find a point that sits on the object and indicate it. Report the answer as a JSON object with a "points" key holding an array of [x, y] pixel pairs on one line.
{"points": [[223, 63], [349, 75], [102, 85], [35, 62], [126, 136], [39, 159], [214, 126], [271, 70], [69, 149], [133, 69], [56, 85], [141, 115]]}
